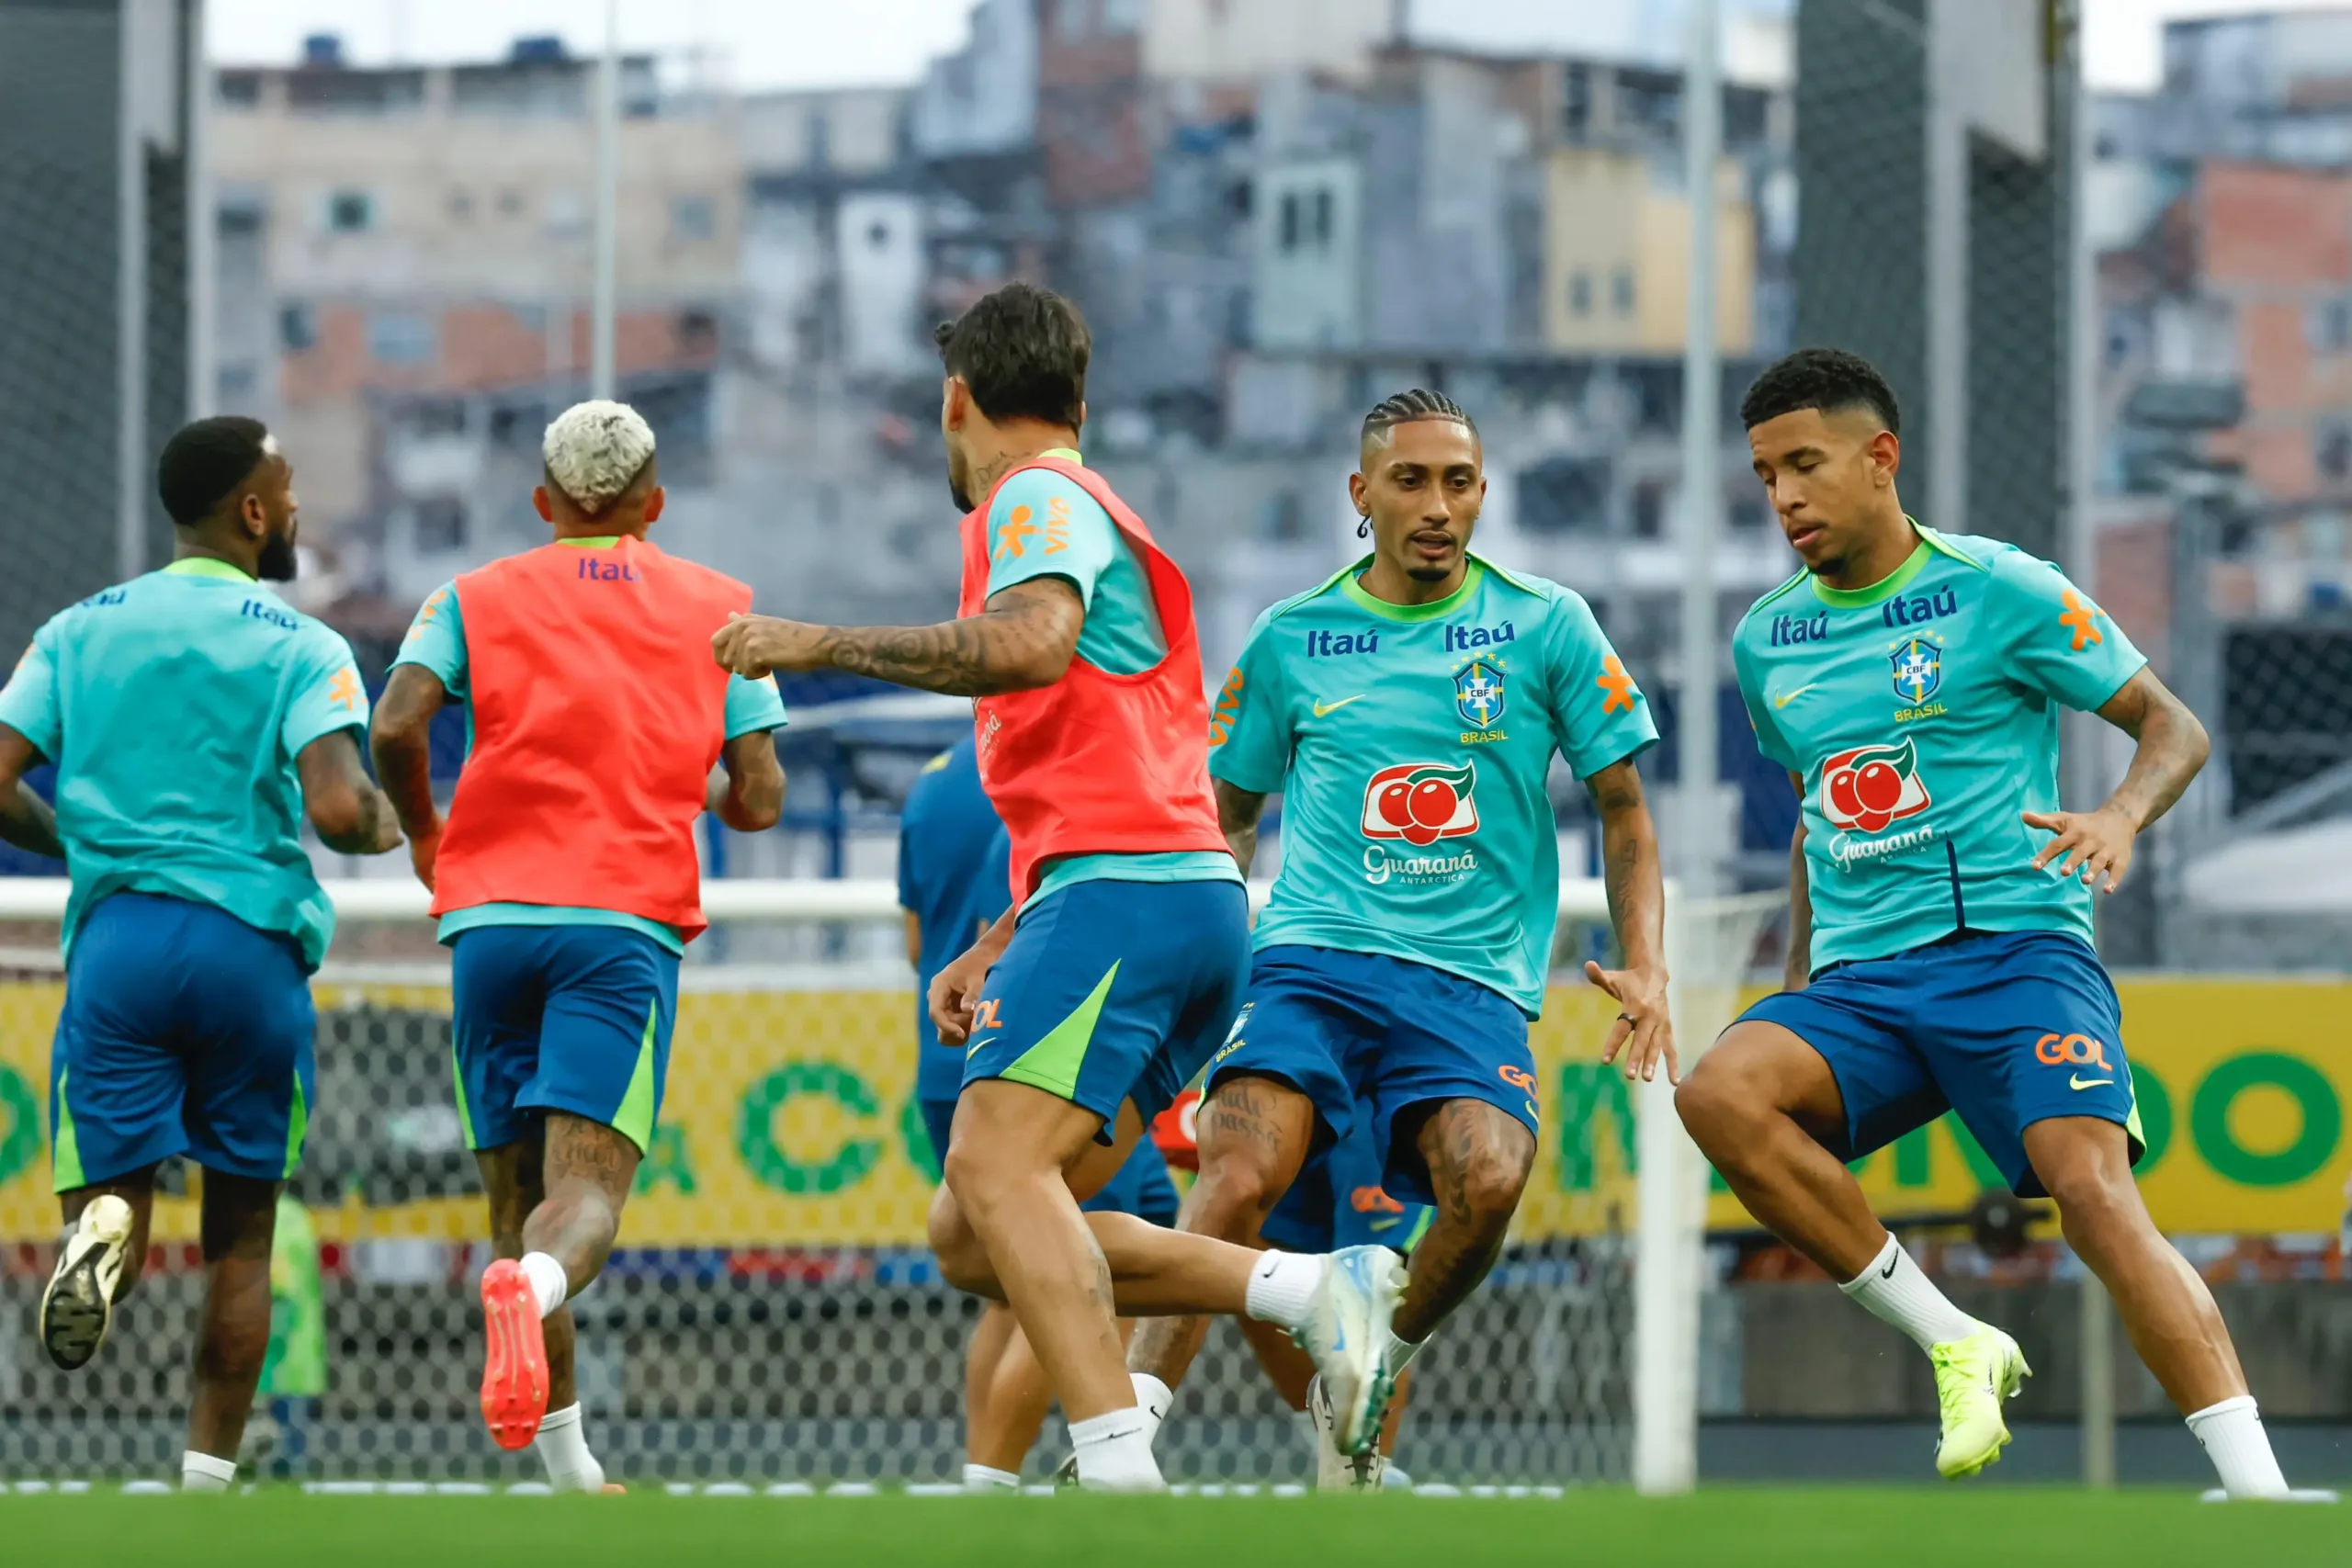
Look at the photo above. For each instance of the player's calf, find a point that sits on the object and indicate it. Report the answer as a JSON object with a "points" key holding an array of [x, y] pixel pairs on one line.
{"points": [[1478, 1158]]}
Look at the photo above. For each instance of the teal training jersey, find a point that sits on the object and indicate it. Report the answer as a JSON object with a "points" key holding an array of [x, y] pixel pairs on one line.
{"points": [[1043, 524], [437, 641], [1410, 745], [1922, 714], [174, 706]]}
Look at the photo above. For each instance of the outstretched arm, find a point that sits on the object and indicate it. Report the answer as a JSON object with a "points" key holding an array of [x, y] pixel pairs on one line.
{"points": [[1238, 812], [1025, 639], [351, 814], [747, 789], [26, 820], [1636, 884], [401, 741], [2173, 747]]}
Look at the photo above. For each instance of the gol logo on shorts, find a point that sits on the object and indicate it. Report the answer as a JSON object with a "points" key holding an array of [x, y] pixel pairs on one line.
{"points": [[2071, 1050], [1518, 1078]]}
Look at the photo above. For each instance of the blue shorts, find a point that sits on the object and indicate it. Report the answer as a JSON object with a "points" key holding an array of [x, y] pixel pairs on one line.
{"points": [[1142, 1187], [185, 1032], [2006, 1029], [1338, 1202], [1366, 1036], [1112, 991], [575, 1019]]}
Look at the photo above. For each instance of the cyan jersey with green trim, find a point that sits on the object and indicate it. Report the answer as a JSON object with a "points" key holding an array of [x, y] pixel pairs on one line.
{"points": [[1410, 745], [1922, 714]]}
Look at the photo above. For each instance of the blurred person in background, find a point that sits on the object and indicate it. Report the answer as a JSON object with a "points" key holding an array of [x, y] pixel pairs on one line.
{"points": [[1094, 1000], [955, 881], [195, 720], [1407, 709], [1940, 951], [566, 877]]}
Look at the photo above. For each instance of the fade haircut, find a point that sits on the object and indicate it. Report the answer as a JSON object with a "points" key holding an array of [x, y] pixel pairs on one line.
{"points": [[594, 452], [1409, 406], [205, 462], [1829, 380], [1023, 352]]}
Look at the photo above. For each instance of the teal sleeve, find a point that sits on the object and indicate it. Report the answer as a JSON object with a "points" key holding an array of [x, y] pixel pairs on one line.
{"points": [[2058, 642], [28, 702], [1043, 525], [1769, 739], [1249, 718], [1599, 717], [436, 640], [753, 706], [327, 693]]}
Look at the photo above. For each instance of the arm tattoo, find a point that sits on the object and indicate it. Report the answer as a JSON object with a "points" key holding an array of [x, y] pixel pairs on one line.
{"points": [[402, 743], [1629, 864], [1023, 640], [2172, 748]]}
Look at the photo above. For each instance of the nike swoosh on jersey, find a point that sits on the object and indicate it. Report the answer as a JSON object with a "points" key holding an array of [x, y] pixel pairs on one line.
{"points": [[2075, 1080], [1787, 697], [1324, 709]]}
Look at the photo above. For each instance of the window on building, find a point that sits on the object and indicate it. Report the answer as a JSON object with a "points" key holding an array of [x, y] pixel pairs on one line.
{"points": [[2328, 325], [1580, 293], [2332, 450], [350, 212], [235, 384], [462, 203], [296, 329], [438, 416], [440, 525], [1290, 221], [693, 218], [510, 203], [1576, 101], [1621, 291], [1284, 518], [1323, 204], [399, 338], [1649, 510], [1564, 495]]}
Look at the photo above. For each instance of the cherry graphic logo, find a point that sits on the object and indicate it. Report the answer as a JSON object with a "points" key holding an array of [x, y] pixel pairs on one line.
{"points": [[1865, 789], [1421, 803]]}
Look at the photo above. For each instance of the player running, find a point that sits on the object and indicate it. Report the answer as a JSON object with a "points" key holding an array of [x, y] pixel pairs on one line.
{"points": [[955, 872], [1094, 1000], [1409, 709], [565, 879], [195, 719], [1941, 910]]}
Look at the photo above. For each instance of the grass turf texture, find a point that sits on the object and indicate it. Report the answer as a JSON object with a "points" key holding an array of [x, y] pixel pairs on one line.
{"points": [[2014, 1528]]}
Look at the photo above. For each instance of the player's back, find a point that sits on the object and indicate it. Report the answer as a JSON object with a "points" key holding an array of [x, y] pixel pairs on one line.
{"points": [[177, 703]]}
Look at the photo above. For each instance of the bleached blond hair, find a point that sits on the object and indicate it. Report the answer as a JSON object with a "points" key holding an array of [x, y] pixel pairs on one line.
{"points": [[593, 450]]}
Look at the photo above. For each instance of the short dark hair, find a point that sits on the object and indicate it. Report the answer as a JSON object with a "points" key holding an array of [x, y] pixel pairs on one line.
{"points": [[1829, 380], [1404, 408], [1024, 351], [204, 463]]}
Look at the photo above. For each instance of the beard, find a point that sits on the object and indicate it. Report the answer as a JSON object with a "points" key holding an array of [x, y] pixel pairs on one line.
{"points": [[955, 490], [278, 562]]}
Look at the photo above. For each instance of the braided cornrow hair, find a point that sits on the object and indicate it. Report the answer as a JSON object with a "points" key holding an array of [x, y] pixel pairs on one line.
{"points": [[1404, 408]]}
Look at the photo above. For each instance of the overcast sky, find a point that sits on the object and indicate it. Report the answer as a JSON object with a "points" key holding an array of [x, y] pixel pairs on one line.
{"points": [[776, 43]]}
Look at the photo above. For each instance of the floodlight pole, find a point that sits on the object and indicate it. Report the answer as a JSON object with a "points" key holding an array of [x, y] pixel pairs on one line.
{"points": [[609, 115]]}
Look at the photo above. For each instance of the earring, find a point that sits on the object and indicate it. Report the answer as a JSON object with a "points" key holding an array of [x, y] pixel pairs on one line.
{"points": [[1364, 527]]}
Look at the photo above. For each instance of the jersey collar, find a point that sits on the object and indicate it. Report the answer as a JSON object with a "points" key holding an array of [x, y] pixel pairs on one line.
{"points": [[207, 566], [1893, 582], [593, 541], [1354, 591]]}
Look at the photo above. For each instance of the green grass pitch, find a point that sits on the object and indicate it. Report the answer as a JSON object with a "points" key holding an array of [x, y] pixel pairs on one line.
{"points": [[1726, 1528]]}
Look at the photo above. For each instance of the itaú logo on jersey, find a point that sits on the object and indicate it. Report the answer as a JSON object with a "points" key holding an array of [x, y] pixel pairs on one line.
{"points": [[1421, 802], [1865, 789]]}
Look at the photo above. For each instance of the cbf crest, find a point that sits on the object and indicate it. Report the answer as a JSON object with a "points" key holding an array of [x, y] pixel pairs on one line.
{"points": [[1919, 668], [1478, 693]]}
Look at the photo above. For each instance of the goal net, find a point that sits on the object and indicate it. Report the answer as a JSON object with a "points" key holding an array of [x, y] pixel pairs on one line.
{"points": [[774, 1315]]}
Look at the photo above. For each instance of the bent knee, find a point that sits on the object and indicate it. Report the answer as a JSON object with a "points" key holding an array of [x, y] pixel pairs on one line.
{"points": [[1489, 1187], [963, 1258]]}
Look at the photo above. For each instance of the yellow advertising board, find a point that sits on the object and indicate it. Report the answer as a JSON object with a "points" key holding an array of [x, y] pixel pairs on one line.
{"points": [[790, 1120]]}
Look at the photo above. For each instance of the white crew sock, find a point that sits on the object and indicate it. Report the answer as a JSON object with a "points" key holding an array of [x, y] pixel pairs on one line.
{"points": [[981, 1478], [562, 1443], [1283, 1287], [549, 1283], [1113, 1452], [1155, 1399], [1893, 1290], [202, 1472], [2239, 1448]]}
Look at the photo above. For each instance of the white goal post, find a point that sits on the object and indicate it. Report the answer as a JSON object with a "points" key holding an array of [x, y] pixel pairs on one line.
{"points": [[1668, 1243]]}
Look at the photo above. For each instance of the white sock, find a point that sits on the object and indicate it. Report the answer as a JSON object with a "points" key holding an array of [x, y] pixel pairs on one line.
{"points": [[1155, 1399], [1282, 1286], [981, 1478], [1400, 1353], [202, 1472], [549, 1283], [2239, 1448], [1114, 1452], [1894, 1290], [562, 1443]]}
